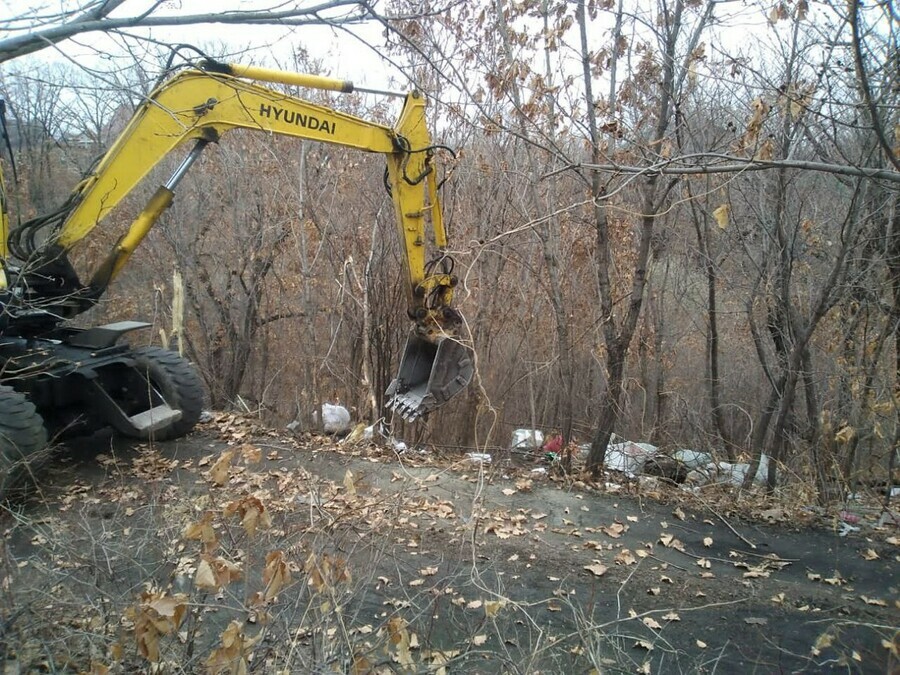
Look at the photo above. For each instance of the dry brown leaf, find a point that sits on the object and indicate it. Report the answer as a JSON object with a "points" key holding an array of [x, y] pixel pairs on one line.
{"points": [[870, 554], [233, 656], [824, 641], [205, 577], [670, 541], [218, 472], [597, 569], [493, 607], [202, 531], [508, 491], [679, 513], [625, 557], [251, 453], [276, 574], [479, 640], [252, 512], [615, 530], [707, 541], [650, 622], [878, 602], [721, 215], [349, 483], [671, 616], [701, 644]]}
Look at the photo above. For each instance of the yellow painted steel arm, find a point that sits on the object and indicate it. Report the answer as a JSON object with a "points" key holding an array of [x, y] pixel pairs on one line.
{"points": [[201, 105]]}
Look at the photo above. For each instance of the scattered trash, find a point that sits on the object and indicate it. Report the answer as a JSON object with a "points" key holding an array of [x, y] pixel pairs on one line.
{"points": [[540, 470], [553, 445], [734, 473], [693, 459], [847, 528], [696, 477], [848, 517], [335, 419], [206, 416], [628, 457], [527, 439], [479, 457], [399, 446], [666, 467]]}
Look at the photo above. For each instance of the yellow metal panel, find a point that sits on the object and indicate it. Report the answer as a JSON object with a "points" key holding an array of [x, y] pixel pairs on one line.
{"points": [[197, 104]]}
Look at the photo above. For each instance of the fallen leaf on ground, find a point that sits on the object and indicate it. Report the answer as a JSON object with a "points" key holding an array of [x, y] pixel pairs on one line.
{"points": [[878, 602], [669, 541], [597, 569], [624, 557], [614, 530]]}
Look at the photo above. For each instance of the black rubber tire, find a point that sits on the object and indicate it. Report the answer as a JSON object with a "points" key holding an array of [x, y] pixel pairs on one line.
{"points": [[23, 442], [180, 385]]}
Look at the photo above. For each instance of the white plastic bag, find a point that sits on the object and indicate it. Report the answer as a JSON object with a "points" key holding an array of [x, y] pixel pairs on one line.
{"points": [[335, 419]]}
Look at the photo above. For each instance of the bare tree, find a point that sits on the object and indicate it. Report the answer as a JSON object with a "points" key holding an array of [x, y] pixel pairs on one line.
{"points": [[31, 32]]}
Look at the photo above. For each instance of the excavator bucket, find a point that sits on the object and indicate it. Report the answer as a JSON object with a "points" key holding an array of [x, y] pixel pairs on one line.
{"points": [[430, 375]]}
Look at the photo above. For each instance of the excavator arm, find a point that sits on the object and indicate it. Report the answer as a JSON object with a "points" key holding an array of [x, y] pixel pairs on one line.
{"points": [[196, 107]]}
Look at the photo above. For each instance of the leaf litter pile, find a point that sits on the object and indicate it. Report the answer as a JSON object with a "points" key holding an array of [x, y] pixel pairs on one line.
{"points": [[248, 558]]}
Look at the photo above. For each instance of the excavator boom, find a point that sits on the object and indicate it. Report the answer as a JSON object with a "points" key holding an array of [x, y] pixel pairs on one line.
{"points": [[193, 108]]}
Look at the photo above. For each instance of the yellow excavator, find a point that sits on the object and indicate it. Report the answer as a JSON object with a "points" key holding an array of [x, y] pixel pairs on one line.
{"points": [[57, 379]]}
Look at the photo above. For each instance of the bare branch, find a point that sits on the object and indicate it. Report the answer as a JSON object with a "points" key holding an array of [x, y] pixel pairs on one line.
{"points": [[97, 19], [737, 165]]}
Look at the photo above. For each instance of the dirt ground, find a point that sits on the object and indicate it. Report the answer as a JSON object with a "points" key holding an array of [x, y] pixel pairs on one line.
{"points": [[238, 549]]}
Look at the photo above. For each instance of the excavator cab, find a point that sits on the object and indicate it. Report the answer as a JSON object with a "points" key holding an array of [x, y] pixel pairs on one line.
{"points": [[430, 374]]}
